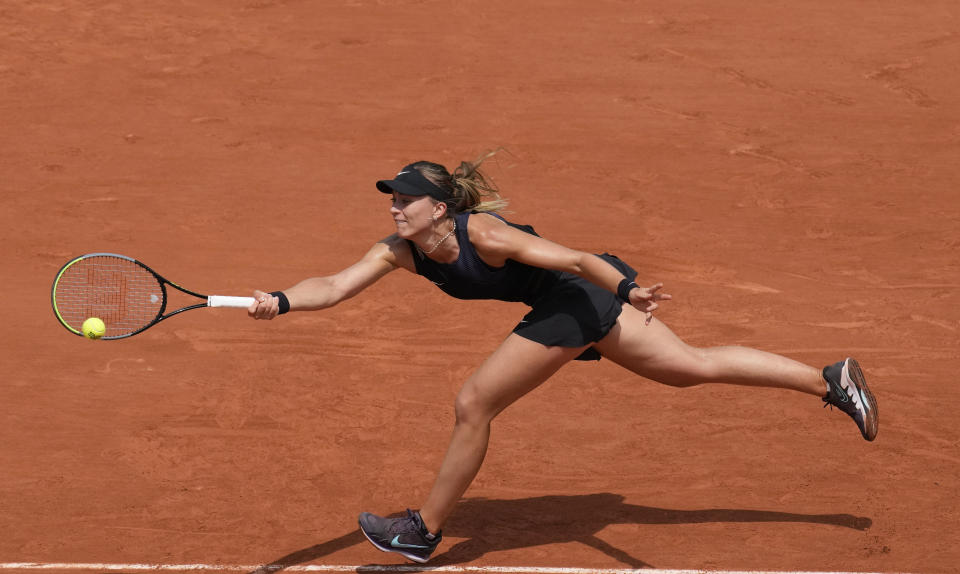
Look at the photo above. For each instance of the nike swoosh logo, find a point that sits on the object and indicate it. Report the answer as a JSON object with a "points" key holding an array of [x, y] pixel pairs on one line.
{"points": [[397, 544], [401, 173], [841, 394]]}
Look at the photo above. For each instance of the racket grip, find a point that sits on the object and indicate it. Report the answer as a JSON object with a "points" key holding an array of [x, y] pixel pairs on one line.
{"points": [[225, 301]]}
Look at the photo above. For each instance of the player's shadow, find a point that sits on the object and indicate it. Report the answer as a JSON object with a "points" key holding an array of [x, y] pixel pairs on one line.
{"points": [[496, 525]]}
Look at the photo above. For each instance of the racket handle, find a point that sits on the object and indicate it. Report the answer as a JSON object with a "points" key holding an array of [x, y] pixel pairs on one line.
{"points": [[225, 301]]}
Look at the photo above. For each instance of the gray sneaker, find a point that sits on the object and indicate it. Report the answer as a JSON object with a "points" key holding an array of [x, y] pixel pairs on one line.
{"points": [[849, 393], [406, 536]]}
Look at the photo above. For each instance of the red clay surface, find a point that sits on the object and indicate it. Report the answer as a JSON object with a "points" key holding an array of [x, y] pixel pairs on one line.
{"points": [[787, 169]]}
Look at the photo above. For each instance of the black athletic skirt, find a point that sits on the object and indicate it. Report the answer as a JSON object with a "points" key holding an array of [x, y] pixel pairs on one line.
{"points": [[575, 312]]}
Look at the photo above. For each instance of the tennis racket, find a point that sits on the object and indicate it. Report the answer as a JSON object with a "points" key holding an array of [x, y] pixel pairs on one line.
{"points": [[126, 294]]}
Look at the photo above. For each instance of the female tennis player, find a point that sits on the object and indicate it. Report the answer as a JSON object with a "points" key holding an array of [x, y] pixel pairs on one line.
{"points": [[583, 306]]}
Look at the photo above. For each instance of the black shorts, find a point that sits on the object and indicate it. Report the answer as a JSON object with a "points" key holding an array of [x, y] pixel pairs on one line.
{"points": [[575, 312]]}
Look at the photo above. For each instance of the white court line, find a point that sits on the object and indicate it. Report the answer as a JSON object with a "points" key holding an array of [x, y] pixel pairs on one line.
{"points": [[372, 568]]}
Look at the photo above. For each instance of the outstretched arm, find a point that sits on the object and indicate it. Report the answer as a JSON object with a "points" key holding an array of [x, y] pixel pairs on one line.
{"points": [[496, 242], [323, 292]]}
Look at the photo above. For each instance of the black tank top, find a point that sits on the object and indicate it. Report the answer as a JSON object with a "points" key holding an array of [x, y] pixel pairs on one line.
{"points": [[470, 278]]}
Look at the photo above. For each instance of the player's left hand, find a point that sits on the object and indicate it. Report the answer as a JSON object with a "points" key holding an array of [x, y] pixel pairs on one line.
{"points": [[646, 299]]}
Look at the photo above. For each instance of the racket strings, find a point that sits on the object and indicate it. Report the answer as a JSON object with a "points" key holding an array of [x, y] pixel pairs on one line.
{"points": [[122, 293]]}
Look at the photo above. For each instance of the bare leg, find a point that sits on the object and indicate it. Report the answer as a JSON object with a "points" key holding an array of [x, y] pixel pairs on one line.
{"points": [[517, 367], [653, 351]]}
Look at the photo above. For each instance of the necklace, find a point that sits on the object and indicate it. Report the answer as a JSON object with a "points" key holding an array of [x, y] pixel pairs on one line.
{"points": [[442, 239]]}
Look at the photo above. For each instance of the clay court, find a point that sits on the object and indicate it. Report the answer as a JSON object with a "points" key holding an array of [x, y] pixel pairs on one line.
{"points": [[789, 170]]}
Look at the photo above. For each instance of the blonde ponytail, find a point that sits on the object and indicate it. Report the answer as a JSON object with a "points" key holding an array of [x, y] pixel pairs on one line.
{"points": [[475, 191], [469, 189]]}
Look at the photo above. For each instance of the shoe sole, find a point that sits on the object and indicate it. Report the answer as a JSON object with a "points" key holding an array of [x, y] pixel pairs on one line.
{"points": [[871, 424], [406, 555]]}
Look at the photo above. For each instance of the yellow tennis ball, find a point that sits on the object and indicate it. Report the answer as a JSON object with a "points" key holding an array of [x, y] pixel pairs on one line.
{"points": [[93, 328]]}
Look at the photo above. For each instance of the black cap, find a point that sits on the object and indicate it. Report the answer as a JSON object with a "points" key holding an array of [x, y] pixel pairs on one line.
{"points": [[411, 182]]}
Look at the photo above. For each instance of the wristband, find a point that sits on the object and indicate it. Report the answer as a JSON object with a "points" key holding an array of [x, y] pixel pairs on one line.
{"points": [[624, 289], [284, 302]]}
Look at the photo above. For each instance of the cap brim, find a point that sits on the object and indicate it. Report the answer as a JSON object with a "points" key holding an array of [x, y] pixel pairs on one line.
{"points": [[391, 185]]}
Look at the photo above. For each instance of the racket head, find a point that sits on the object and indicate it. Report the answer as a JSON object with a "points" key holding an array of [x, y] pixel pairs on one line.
{"points": [[126, 294]]}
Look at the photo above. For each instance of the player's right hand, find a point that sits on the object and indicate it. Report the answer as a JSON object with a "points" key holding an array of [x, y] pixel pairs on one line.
{"points": [[265, 306]]}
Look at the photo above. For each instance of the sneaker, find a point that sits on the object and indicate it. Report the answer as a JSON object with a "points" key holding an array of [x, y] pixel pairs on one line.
{"points": [[406, 536], [849, 393]]}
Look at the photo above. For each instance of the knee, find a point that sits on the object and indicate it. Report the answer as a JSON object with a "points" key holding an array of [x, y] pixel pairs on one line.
{"points": [[471, 409], [699, 368]]}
